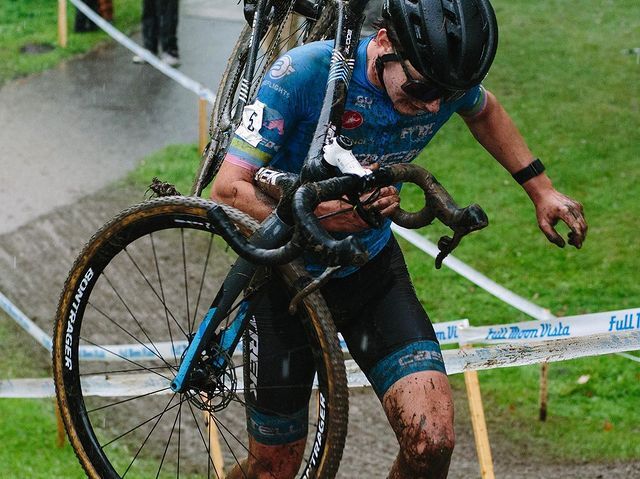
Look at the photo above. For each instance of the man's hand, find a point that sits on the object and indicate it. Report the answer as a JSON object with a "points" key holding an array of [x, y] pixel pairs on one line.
{"points": [[553, 207], [386, 204]]}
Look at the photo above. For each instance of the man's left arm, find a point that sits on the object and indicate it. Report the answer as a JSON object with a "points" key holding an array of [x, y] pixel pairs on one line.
{"points": [[494, 129]]}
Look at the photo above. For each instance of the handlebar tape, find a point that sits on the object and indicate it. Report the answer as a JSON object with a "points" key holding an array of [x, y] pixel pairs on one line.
{"points": [[270, 257], [347, 251]]}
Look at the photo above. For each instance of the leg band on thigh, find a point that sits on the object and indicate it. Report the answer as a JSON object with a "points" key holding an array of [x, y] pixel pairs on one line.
{"points": [[279, 429], [418, 356]]}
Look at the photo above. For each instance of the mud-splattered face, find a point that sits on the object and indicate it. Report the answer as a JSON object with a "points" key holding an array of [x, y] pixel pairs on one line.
{"points": [[394, 78]]}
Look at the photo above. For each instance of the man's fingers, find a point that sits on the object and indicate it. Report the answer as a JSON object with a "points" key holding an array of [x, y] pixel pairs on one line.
{"points": [[389, 210], [551, 234], [387, 202], [388, 191], [577, 224]]}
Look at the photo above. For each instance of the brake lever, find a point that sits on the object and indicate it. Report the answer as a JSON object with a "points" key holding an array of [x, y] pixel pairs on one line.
{"points": [[465, 221], [370, 216]]}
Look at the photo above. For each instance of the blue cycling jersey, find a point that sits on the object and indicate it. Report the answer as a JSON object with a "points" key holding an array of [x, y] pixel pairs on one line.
{"points": [[277, 129]]}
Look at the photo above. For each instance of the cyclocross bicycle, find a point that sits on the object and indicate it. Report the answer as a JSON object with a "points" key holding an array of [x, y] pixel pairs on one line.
{"points": [[154, 342]]}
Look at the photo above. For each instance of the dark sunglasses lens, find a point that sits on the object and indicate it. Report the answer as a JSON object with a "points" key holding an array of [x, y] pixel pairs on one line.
{"points": [[426, 92], [421, 91], [454, 95]]}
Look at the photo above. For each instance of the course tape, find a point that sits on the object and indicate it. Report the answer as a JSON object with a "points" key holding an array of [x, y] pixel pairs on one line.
{"points": [[474, 276], [149, 57], [456, 361], [558, 328], [25, 323], [447, 333], [491, 287]]}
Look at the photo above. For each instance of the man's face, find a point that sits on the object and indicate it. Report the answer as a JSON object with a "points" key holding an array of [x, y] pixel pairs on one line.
{"points": [[394, 78]]}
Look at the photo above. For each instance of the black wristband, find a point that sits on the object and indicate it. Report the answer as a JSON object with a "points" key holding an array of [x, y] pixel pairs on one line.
{"points": [[525, 174]]}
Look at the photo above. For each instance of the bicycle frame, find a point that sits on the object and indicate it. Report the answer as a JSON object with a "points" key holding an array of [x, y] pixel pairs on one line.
{"points": [[274, 231]]}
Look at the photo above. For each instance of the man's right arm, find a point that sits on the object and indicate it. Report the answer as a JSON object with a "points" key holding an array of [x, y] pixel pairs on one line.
{"points": [[234, 186]]}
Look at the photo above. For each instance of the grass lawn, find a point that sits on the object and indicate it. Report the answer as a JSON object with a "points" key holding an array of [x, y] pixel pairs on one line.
{"points": [[35, 22], [576, 98]]}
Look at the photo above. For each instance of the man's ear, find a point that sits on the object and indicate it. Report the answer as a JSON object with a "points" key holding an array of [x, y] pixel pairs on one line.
{"points": [[382, 39]]}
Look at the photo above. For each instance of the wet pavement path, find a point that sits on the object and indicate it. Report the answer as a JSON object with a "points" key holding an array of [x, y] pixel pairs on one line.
{"points": [[69, 131]]}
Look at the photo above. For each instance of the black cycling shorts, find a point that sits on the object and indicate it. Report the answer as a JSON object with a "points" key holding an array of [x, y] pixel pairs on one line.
{"points": [[386, 329]]}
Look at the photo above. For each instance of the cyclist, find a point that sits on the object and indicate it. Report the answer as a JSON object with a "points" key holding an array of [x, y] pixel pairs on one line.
{"points": [[426, 62]]}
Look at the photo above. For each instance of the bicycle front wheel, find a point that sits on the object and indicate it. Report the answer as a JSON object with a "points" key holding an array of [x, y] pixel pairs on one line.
{"points": [[129, 308]]}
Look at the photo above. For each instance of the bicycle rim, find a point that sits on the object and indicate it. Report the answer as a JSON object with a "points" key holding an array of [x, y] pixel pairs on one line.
{"points": [[130, 304], [284, 30]]}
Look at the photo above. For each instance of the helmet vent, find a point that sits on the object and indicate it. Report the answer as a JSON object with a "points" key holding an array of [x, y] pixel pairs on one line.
{"points": [[415, 22]]}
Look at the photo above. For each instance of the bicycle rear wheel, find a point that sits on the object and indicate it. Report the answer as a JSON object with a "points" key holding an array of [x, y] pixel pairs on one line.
{"points": [[129, 308], [284, 30]]}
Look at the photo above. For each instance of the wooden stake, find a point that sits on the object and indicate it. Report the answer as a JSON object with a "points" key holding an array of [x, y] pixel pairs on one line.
{"points": [[215, 452], [203, 129], [62, 23], [479, 424], [214, 446], [544, 390]]}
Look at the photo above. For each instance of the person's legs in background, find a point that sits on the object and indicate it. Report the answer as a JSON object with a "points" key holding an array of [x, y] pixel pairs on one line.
{"points": [[149, 29], [168, 31], [82, 23], [150, 25]]}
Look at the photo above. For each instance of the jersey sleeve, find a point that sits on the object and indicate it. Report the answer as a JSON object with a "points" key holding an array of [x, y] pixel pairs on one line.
{"points": [[281, 103], [473, 102]]}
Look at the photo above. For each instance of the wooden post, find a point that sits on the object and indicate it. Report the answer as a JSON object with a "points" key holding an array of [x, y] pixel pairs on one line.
{"points": [[544, 390], [214, 446], [61, 433], [62, 23], [203, 130], [480, 433], [215, 452]]}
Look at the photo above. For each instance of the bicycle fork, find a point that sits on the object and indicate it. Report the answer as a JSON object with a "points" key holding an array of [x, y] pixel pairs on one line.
{"points": [[271, 233]]}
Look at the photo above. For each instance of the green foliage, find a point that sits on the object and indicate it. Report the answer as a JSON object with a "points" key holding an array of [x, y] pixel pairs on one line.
{"points": [[174, 164], [31, 428], [36, 22]]}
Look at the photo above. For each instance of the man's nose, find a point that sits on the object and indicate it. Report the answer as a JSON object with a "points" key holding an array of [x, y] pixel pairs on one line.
{"points": [[432, 106]]}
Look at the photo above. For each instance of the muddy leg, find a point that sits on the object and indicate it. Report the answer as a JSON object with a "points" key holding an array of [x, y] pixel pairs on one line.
{"points": [[420, 410], [269, 462]]}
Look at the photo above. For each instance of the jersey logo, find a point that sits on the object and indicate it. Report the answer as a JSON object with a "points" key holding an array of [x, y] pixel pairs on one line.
{"points": [[275, 125], [364, 102], [281, 68], [351, 119]]}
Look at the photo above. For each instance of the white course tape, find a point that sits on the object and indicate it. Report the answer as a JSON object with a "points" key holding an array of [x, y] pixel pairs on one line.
{"points": [[134, 352], [25, 323], [491, 287], [474, 276], [558, 328], [457, 361], [149, 57], [447, 333]]}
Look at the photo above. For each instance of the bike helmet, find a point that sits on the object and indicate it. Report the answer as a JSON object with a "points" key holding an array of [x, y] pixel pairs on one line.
{"points": [[450, 42]]}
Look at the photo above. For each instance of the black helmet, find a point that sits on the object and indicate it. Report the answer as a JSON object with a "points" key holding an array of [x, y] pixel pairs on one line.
{"points": [[450, 42]]}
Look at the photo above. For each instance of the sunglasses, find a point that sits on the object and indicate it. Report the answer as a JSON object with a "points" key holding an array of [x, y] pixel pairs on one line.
{"points": [[419, 89]]}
